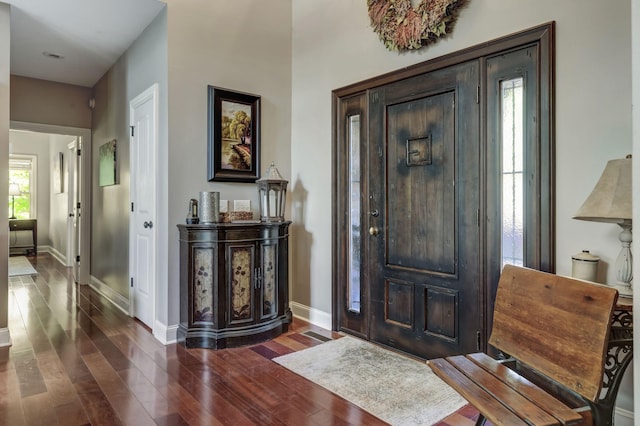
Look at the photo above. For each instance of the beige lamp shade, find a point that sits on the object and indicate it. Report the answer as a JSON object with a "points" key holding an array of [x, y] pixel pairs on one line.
{"points": [[610, 200], [14, 190]]}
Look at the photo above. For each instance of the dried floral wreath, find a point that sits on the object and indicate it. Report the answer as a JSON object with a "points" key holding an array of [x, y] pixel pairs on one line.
{"points": [[403, 27]]}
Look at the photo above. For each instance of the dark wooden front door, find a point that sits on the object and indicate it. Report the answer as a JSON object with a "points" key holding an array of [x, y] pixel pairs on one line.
{"points": [[423, 229]]}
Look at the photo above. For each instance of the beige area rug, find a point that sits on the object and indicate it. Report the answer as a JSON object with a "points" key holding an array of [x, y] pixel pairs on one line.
{"points": [[20, 265], [394, 388]]}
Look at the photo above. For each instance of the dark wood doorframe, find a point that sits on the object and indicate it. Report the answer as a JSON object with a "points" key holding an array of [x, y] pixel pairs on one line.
{"points": [[356, 323], [544, 168]]}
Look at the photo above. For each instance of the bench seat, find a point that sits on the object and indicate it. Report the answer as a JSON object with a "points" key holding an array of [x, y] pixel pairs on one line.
{"points": [[555, 331], [505, 397]]}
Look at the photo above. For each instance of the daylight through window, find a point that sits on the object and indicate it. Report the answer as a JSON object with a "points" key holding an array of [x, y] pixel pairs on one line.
{"points": [[22, 185]]}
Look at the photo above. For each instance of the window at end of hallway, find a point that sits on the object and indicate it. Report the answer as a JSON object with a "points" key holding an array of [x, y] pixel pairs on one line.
{"points": [[22, 180]]}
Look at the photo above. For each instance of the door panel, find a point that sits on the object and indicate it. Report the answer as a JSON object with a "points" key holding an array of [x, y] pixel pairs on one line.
{"points": [[399, 303], [420, 193], [424, 245], [142, 260]]}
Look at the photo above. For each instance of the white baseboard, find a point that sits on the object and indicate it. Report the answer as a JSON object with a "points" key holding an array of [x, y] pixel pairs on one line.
{"points": [[623, 417], [166, 335], [53, 252], [5, 337], [312, 315], [116, 299]]}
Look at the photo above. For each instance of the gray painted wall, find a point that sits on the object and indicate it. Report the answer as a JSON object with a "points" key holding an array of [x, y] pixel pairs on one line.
{"points": [[48, 102], [144, 64], [243, 46]]}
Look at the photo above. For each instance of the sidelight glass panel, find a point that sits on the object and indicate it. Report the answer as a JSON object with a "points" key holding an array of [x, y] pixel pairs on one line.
{"points": [[512, 108], [355, 249]]}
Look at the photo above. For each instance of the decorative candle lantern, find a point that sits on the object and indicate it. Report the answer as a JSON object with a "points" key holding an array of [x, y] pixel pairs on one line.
{"points": [[273, 194]]}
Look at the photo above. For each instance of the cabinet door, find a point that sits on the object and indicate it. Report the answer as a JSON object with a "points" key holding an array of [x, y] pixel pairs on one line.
{"points": [[202, 290], [241, 280], [268, 281]]}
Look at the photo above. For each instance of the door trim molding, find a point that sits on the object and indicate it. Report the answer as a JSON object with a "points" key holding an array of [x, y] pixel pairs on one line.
{"points": [[85, 218], [532, 35]]}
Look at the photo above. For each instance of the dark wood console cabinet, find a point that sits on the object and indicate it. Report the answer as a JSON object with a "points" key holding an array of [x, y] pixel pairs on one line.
{"points": [[234, 283]]}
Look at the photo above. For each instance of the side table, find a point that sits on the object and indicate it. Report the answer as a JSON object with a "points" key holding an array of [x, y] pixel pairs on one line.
{"points": [[618, 359], [26, 225]]}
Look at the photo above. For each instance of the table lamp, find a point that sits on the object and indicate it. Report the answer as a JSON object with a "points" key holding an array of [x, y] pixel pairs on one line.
{"points": [[610, 201], [14, 191]]}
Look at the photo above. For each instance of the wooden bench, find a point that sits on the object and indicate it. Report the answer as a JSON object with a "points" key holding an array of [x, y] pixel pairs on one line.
{"points": [[555, 330]]}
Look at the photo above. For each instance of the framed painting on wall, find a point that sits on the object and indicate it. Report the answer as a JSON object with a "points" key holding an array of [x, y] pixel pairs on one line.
{"points": [[233, 120], [108, 164]]}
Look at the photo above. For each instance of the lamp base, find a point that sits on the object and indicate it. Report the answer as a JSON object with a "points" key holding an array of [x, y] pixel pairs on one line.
{"points": [[624, 289], [624, 262]]}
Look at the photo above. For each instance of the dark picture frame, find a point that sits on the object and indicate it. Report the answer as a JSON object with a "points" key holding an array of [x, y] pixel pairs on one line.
{"points": [[233, 122]]}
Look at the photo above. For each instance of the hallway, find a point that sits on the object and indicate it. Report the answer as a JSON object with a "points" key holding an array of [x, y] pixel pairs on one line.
{"points": [[91, 364]]}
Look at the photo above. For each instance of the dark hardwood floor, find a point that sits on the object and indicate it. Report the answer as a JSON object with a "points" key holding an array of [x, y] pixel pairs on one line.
{"points": [[76, 360]]}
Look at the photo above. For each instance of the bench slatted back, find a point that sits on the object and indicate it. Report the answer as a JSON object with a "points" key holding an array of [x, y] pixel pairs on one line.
{"points": [[557, 325]]}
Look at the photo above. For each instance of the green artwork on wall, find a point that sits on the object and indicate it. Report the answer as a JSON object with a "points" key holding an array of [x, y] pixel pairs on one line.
{"points": [[107, 164]]}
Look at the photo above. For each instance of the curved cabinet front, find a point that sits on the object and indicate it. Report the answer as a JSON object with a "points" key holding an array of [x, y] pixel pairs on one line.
{"points": [[233, 284]]}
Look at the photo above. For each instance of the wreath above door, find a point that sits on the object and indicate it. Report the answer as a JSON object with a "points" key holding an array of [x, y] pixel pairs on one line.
{"points": [[403, 27]]}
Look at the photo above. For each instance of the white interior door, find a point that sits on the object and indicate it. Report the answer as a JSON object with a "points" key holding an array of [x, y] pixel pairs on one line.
{"points": [[143, 150], [74, 200]]}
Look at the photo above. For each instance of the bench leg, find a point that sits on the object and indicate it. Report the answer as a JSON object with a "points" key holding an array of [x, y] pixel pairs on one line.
{"points": [[481, 420]]}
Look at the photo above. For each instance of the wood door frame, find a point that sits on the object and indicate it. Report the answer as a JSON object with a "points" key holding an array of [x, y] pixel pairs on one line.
{"points": [[544, 37], [355, 104]]}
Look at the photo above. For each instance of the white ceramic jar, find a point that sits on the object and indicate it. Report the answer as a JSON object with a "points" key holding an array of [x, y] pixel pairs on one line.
{"points": [[585, 266]]}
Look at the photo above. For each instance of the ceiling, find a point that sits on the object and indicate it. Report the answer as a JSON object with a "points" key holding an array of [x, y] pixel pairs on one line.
{"points": [[88, 35]]}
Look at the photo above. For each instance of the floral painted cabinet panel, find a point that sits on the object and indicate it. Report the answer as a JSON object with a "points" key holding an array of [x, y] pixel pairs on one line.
{"points": [[233, 283], [241, 283], [203, 285], [269, 283], [253, 282]]}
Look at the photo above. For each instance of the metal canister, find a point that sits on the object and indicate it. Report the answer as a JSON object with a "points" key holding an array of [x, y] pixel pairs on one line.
{"points": [[585, 266], [209, 207]]}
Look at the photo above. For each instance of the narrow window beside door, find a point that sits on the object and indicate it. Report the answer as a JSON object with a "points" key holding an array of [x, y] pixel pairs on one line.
{"points": [[512, 171], [354, 212]]}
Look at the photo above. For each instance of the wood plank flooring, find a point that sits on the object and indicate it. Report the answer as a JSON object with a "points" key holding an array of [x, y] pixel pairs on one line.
{"points": [[76, 360]]}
